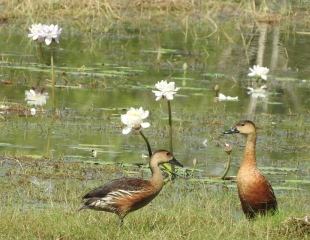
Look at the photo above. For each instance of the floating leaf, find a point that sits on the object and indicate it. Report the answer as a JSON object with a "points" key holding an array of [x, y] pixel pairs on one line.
{"points": [[93, 145], [272, 103], [130, 172], [98, 162], [34, 156], [182, 78], [160, 50], [303, 181], [305, 33]]}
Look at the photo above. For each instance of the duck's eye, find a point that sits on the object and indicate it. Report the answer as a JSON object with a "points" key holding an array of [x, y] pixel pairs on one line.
{"points": [[168, 154], [242, 124]]}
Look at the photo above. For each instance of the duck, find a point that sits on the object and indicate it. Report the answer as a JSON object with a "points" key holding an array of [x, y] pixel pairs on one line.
{"points": [[255, 192], [124, 195]]}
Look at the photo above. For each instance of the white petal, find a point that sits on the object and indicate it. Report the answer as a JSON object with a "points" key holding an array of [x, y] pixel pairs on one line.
{"points": [[145, 125], [145, 114], [222, 96], [48, 40], [33, 111], [126, 130], [158, 94], [169, 96], [32, 92], [124, 119]]}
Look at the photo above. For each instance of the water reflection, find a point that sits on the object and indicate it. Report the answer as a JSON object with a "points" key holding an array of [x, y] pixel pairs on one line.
{"points": [[258, 91]]}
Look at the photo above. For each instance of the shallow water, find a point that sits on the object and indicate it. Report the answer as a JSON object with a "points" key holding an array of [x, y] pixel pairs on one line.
{"points": [[100, 76]]}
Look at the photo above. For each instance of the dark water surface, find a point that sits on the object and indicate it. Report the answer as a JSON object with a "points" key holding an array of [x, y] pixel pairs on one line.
{"points": [[101, 75]]}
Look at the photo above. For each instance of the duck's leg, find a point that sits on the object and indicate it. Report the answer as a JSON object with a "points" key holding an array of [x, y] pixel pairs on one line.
{"points": [[121, 215], [120, 222]]}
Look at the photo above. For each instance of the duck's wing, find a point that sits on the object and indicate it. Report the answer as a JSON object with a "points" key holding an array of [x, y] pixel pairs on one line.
{"points": [[121, 184], [272, 197]]}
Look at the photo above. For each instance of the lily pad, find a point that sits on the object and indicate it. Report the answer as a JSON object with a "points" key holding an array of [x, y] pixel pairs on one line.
{"points": [[303, 181]]}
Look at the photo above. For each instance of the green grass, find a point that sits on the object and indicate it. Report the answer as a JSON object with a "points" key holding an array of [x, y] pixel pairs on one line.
{"points": [[184, 209]]}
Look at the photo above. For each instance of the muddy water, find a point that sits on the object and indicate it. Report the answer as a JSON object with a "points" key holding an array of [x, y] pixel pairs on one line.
{"points": [[99, 76]]}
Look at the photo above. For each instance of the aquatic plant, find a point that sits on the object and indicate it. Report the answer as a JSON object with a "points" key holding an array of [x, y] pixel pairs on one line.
{"points": [[48, 33], [166, 91], [194, 167], [134, 120], [40, 33], [35, 32], [259, 87], [259, 92], [259, 72], [228, 150], [36, 97]]}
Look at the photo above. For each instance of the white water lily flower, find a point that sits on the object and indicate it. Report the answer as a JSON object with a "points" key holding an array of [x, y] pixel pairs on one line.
{"points": [[39, 32], [166, 90], [51, 33], [222, 97], [258, 71], [134, 119], [36, 32], [36, 97]]}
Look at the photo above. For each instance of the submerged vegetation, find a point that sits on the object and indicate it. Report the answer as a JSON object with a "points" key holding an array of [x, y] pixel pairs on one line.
{"points": [[110, 56]]}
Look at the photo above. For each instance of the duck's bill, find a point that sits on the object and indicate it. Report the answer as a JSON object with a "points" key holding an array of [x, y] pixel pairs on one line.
{"points": [[175, 162], [232, 130]]}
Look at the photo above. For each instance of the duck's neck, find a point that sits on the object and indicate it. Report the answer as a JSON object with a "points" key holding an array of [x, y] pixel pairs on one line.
{"points": [[249, 158], [157, 179]]}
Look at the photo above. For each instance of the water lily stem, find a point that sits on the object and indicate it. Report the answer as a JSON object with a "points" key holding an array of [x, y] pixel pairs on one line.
{"points": [[227, 167], [147, 143], [193, 170], [42, 55], [53, 77], [170, 133], [48, 146], [167, 167]]}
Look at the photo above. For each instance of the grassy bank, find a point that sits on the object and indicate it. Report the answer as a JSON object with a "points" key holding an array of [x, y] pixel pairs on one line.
{"points": [[46, 208], [102, 16]]}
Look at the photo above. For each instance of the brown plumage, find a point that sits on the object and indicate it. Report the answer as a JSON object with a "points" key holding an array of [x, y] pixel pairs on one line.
{"points": [[125, 195], [255, 192]]}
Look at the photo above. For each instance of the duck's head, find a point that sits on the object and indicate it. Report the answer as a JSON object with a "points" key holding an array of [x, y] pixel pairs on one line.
{"points": [[244, 127], [164, 156]]}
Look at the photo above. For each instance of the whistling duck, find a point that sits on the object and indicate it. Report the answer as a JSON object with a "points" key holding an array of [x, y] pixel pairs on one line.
{"points": [[255, 192], [125, 195]]}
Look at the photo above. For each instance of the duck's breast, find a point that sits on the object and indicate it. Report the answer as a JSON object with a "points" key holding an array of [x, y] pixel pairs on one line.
{"points": [[255, 192]]}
